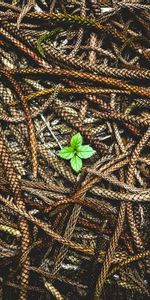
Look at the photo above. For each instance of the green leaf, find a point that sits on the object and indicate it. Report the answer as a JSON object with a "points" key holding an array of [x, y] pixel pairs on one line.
{"points": [[76, 140], [76, 163], [85, 151], [66, 153]]}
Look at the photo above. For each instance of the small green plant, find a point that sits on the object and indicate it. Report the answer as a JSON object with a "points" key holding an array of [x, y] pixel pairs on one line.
{"points": [[76, 152]]}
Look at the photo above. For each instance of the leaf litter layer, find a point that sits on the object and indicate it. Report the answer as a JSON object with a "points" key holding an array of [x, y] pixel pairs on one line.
{"points": [[67, 68]]}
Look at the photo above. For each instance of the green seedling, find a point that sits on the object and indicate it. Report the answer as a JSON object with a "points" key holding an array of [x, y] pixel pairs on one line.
{"points": [[75, 152]]}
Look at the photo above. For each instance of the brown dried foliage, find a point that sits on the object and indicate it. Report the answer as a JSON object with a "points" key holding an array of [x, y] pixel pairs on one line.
{"points": [[68, 67]]}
